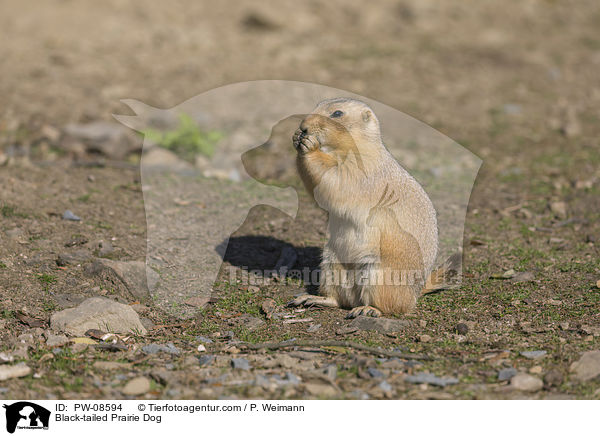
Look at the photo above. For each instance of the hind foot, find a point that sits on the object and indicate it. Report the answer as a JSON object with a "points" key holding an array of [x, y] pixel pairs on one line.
{"points": [[308, 300], [364, 310]]}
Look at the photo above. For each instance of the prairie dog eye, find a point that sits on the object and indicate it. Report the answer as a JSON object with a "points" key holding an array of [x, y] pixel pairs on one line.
{"points": [[336, 114]]}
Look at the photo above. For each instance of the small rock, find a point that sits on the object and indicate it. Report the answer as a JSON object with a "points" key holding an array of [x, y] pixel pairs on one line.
{"points": [[6, 358], [139, 279], [204, 340], [292, 378], [160, 158], [320, 389], [54, 341], [136, 386], [527, 383], [206, 359], [553, 378], [330, 372], [533, 355], [240, 363], [70, 216], [559, 208], [105, 248], [382, 325], [375, 373], [523, 276], [424, 338], [313, 328], [199, 301], [587, 367], [268, 307], [110, 139], [201, 348], [168, 348], [427, 378], [97, 313], [14, 371], [385, 386], [537, 369], [73, 258], [506, 374], [102, 365], [462, 328], [250, 323]]}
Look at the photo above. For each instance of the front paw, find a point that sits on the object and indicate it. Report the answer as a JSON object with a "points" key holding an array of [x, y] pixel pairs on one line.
{"points": [[304, 143], [365, 311]]}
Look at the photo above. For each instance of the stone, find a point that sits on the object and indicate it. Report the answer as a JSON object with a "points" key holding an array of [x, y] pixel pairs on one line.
{"points": [[425, 338], [206, 359], [559, 209], [313, 328], [533, 355], [73, 258], [102, 365], [537, 369], [553, 378], [97, 313], [159, 158], [375, 373], [526, 383], [54, 341], [139, 279], [587, 367], [110, 139], [320, 389], [506, 374], [382, 325], [427, 378], [462, 328], [14, 371], [70, 216], [168, 348], [330, 372], [385, 386], [136, 386], [522, 276], [240, 363], [204, 340]]}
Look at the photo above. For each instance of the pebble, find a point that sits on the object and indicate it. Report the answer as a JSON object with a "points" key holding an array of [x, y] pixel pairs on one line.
{"points": [[375, 373], [136, 386], [201, 348], [111, 366], [506, 374], [70, 216], [204, 340], [462, 328], [553, 378], [169, 348], [533, 355], [427, 378], [313, 328], [385, 386], [382, 325], [206, 359], [320, 389], [537, 369], [424, 338], [14, 371], [527, 383], [330, 372], [587, 367], [240, 363], [53, 340]]}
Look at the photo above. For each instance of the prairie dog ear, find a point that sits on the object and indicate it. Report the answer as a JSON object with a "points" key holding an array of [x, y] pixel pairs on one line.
{"points": [[367, 115]]}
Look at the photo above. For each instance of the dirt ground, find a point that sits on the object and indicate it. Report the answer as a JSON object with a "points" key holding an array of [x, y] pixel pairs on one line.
{"points": [[514, 82]]}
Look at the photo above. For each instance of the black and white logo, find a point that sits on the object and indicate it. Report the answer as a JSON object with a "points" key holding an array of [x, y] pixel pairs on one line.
{"points": [[26, 415]]}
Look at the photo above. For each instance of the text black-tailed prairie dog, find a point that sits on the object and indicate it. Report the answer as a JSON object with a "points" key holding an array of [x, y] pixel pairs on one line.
{"points": [[383, 229]]}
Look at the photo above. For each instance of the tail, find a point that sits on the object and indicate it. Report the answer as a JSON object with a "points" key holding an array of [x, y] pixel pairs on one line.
{"points": [[444, 277]]}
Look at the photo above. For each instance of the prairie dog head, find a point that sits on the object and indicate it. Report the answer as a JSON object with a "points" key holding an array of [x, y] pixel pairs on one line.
{"points": [[340, 124]]}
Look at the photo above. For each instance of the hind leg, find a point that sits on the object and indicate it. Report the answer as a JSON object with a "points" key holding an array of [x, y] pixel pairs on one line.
{"points": [[329, 286]]}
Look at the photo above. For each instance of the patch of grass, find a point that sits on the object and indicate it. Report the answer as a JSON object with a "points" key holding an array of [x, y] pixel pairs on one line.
{"points": [[8, 211], [187, 140], [7, 314], [3, 265], [46, 279], [239, 300], [84, 198]]}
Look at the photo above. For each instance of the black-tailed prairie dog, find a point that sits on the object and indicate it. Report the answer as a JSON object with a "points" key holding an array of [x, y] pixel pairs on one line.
{"points": [[383, 229]]}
